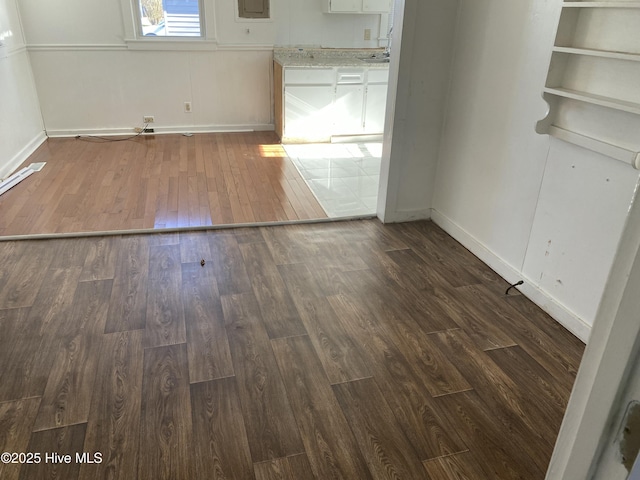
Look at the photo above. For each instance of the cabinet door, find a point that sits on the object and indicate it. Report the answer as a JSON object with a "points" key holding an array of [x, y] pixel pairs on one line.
{"points": [[345, 5], [308, 112], [375, 108], [348, 109], [376, 5]]}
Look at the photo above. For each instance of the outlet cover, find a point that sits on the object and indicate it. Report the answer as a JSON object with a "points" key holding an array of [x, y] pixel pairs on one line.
{"points": [[367, 34], [148, 119], [187, 107]]}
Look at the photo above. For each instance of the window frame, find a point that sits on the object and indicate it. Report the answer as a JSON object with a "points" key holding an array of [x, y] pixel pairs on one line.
{"points": [[135, 40]]}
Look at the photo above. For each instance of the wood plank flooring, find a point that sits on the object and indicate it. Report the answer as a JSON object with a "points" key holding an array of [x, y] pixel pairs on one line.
{"points": [[154, 182], [347, 350]]}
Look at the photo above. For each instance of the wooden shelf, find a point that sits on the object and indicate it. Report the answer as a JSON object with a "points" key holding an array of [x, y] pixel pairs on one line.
{"points": [[601, 100], [612, 34], [625, 155], [632, 57], [601, 5]]}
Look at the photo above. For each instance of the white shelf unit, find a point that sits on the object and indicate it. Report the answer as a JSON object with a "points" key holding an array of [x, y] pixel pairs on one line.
{"points": [[593, 84]]}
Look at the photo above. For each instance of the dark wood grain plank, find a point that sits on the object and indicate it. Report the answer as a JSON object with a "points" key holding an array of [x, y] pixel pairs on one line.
{"points": [[67, 396], [388, 451], [340, 355], [194, 247], [545, 349], [517, 414], [395, 321], [498, 450], [279, 314], [16, 421], [414, 297], [270, 424], [221, 448], [37, 337], [419, 416], [438, 239], [228, 265], [165, 427], [295, 467], [207, 343], [128, 308], [27, 275], [100, 263], [165, 314], [63, 441], [113, 427], [534, 382], [329, 443], [534, 314], [462, 466], [476, 322]]}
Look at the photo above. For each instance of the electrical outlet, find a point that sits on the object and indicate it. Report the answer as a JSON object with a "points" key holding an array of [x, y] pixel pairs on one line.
{"points": [[367, 34], [148, 119], [187, 107]]}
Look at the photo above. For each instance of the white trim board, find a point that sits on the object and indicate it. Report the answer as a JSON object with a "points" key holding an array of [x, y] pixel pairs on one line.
{"points": [[19, 176], [400, 216], [106, 132], [22, 155], [552, 306]]}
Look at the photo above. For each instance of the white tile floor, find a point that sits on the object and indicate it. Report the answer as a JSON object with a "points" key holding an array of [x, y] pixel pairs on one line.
{"points": [[344, 177]]}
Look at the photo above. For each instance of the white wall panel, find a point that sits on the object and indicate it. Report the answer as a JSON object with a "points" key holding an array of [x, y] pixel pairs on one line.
{"points": [[107, 91], [511, 190], [584, 202], [21, 129]]}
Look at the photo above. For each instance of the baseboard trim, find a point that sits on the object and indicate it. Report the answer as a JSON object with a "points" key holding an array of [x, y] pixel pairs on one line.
{"points": [[543, 299], [19, 158], [407, 215], [108, 132]]}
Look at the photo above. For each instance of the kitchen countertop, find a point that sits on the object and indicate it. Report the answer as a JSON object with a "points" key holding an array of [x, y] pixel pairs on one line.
{"points": [[327, 57]]}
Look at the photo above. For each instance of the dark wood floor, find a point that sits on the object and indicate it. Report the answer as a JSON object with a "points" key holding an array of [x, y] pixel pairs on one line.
{"points": [[154, 182], [345, 350]]}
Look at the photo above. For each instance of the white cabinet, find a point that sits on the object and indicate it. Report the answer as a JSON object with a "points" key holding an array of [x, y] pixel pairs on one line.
{"points": [[348, 105], [348, 110], [357, 6], [315, 104], [308, 112], [376, 6], [376, 105]]}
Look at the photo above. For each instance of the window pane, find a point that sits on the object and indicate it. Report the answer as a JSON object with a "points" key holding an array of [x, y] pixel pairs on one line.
{"points": [[170, 18]]}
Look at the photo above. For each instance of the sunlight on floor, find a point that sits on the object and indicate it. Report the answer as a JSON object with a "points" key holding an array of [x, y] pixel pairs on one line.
{"points": [[344, 177]]}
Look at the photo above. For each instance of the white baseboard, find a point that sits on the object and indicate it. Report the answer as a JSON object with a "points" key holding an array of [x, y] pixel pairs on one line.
{"points": [[13, 164], [407, 215], [107, 132], [543, 299]]}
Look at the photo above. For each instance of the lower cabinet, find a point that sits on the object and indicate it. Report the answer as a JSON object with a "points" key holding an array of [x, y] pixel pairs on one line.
{"points": [[375, 108], [314, 104], [308, 112]]}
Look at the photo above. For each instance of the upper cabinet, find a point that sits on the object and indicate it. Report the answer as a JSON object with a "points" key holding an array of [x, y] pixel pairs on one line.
{"points": [[357, 6], [593, 84]]}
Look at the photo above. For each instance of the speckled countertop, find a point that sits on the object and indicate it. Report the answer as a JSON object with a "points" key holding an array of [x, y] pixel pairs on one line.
{"points": [[327, 57]]}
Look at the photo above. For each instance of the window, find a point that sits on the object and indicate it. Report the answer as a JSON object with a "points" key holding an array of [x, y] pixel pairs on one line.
{"points": [[170, 18], [253, 8]]}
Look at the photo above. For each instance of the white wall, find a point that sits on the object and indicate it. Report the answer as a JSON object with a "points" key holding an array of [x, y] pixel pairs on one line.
{"points": [[90, 80], [419, 79], [297, 23], [21, 129], [542, 210]]}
